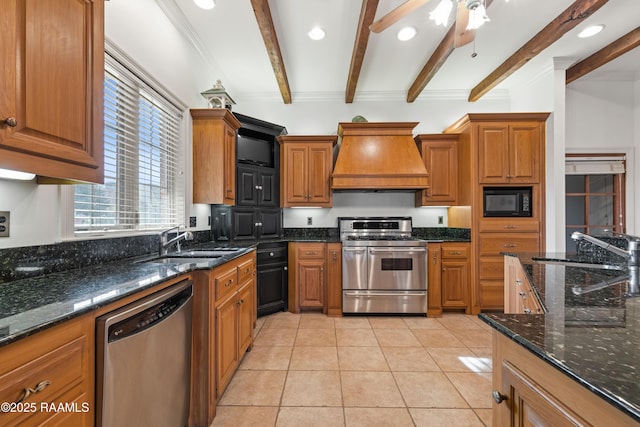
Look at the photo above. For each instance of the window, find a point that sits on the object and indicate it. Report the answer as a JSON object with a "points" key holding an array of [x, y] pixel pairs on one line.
{"points": [[143, 183], [594, 195]]}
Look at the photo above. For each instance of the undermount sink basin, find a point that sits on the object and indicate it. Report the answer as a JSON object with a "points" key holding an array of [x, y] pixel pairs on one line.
{"points": [[576, 263], [180, 260], [195, 254]]}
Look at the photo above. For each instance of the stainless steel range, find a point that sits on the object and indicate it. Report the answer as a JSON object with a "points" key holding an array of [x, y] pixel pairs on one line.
{"points": [[384, 269]]}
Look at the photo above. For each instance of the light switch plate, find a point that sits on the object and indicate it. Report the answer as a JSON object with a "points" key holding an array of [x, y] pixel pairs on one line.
{"points": [[4, 223]]}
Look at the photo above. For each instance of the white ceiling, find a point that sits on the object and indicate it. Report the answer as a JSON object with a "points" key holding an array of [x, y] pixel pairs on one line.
{"points": [[229, 38]]}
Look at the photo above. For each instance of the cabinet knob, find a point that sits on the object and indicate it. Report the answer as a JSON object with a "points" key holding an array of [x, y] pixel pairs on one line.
{"points": [[271, 254], [285, 268], [498, 397], [519, 282], [527, 311], [435, 259], [522, 294], [11, 122]]}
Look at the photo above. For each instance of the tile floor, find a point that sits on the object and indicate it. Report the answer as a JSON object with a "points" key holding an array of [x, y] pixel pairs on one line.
{"points": [[314, 370]]}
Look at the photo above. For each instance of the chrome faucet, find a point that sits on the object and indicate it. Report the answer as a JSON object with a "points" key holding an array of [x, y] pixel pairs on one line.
{"points": [[165, 243]]}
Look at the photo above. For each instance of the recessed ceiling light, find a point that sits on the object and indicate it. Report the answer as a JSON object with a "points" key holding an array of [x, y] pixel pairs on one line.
{"points": [[591, 31], [205, 4], [406, 33], [316, 33]]}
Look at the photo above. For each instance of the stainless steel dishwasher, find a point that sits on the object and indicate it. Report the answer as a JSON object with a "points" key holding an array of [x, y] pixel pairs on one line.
{"points": [[143, 372]]}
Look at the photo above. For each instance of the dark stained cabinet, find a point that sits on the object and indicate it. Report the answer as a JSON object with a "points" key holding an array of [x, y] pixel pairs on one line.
{"points": [[257, 186], [254, 224], [272, 277]]}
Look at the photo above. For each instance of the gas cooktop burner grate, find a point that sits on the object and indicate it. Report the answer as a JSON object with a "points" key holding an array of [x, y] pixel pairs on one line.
{"points": [[373, 237]]}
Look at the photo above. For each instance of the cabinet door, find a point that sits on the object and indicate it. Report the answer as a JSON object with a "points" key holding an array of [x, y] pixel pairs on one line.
{"points": [[272, 289], [229, 180], [296, 174], [269, 191], [270, 221], [52, 56], [441, 160], [247, 186], [244, 224], [524, 153], [455, 283], [226, 343], [334, 279], [434, 295], [319, 171], [493, 153], [311, 283], [245, 303]]}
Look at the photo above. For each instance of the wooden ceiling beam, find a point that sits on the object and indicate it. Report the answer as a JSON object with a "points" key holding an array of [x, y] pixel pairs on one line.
{"points": [[367, 14], [437, 60], [268, 31], [563, 23], [608, 53]]}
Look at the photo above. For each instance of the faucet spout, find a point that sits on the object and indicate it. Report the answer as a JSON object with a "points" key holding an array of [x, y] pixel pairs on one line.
{"points": [[604, 245], [165, 242]]}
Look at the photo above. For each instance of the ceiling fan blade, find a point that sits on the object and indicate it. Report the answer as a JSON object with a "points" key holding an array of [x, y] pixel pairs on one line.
{"points": [[463, 36], [396, 14]]}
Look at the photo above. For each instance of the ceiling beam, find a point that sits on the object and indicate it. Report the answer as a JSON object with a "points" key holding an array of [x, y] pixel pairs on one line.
{"points": [[437, 60], [396, 14], [563, 23], [367, 14], [268, 31], [608, 53]]}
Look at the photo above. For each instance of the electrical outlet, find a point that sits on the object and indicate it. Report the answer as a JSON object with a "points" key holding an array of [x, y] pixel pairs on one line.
{"points": [[4, 223], [440, 219], [192, 221], [309, 220]]}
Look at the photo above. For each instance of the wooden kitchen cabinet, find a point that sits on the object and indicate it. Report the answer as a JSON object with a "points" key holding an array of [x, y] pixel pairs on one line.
{"points": [[531, 392], [305, 170], [455, 275], [440, 155], [214, 156], [307, 276], [59, 365], [519, 296], [510, 153], [334, 279], [51, 108], [434, 280]]}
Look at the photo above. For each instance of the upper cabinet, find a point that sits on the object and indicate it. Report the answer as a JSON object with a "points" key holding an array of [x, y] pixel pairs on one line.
{"points": [[51, 102], [510, 153], [440, 155], [214, 156], [306, 163]]}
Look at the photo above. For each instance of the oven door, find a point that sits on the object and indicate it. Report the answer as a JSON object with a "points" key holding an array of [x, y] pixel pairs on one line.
{"points": [[354, 267], [398, 268]]}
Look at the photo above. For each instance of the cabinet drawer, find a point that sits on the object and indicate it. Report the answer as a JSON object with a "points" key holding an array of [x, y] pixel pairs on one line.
{"points": [[491, 268], [513, 225], [310, 250], [457, 252], [494, 244], [225, 283], [47, 377], [246, 269], [491, 295]]}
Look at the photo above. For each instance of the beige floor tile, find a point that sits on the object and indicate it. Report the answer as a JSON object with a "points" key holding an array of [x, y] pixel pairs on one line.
{"points": [[352, 322], [285, 337], [245, 416], [310, 417], [428, 390], [485, 415], [388, 322], [316, 337], [356, 337], [378, 417], [283, 322], [362, 359], [409, 359], [312, 388], [485, 353], [307, 358], [370, 389], [437, 338], [254, 388], [396, 338], [473, 338], [445, 417], [423, 323], [474, 387], [459, 359], [316, 322], [267, 357], [458, 321]]}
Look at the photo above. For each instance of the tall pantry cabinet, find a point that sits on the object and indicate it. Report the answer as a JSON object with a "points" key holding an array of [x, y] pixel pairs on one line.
{"points": [[499, 150]]}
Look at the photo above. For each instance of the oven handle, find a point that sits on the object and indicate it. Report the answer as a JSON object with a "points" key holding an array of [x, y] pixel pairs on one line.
{"points": [[383, 294], [397, 249], [354, 249]]}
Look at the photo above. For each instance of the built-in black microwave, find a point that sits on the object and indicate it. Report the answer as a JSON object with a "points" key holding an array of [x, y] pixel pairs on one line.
{"points": [[507, 201]]}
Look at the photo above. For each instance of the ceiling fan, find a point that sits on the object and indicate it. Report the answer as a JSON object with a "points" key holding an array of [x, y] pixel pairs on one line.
{"points": [[470, 15]]}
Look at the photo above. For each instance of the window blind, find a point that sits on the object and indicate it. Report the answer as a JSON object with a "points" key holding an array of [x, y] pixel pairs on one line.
{"points": [[610, 165], [143, 182]]}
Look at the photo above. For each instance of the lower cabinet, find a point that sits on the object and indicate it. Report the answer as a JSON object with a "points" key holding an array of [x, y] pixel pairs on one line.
{"points": [[518, 294], [527, 391], [334, 279], [449, 280], [51, 368], [307, 277]]}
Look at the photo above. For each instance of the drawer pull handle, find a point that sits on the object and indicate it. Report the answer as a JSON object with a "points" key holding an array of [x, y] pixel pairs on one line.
{"points": [[456, 253], [527, 311], [247, 270], [510, 226], [29, 391], [510, 245], [518, 282], [241, 302], [229, 283], [498, 397], [522, 294]]}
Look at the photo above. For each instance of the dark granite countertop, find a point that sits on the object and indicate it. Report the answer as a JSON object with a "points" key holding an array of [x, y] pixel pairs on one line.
{"points": [[33, 304], [590, 332]]}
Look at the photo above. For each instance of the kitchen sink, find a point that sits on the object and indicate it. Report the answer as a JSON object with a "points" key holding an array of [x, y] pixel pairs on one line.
{"points": [[195, 254], [576, 263], [179, 260]]}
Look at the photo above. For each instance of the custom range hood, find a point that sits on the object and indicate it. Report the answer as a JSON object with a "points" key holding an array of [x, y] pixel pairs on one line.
{"points": [[378, 156]]}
